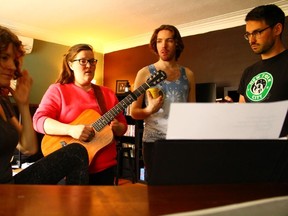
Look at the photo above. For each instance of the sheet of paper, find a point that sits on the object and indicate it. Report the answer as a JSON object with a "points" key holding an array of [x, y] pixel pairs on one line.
{"points": [[226, 120], [277, 206]]}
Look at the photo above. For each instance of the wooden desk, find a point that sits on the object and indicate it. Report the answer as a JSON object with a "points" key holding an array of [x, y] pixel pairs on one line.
{"points": [[136, 199]]}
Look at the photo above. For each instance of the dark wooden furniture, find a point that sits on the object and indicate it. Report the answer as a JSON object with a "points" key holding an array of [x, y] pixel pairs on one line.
{"points": [[178, 162], [125, 152], [132, 199], [135, 140]]}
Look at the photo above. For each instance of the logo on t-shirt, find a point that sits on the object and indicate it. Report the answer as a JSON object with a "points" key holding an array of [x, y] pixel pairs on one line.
{"points": [[259, 86]]}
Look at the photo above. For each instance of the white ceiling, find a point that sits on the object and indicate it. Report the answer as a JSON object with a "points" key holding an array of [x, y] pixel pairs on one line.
{"points": [[111, 25]]}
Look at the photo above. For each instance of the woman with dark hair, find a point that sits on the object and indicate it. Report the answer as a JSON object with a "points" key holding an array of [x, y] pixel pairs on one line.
{"points": [[70, 163], [68, 109]]}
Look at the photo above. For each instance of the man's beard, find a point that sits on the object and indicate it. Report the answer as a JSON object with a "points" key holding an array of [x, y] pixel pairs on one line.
{"points": [[265, 49]]}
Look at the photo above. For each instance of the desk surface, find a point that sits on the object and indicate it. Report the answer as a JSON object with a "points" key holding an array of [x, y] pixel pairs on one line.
{"points": [[136, 199]]}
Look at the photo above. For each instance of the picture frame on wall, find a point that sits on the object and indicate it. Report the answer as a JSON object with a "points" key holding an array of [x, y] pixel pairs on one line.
{"points": [[120, 86]]}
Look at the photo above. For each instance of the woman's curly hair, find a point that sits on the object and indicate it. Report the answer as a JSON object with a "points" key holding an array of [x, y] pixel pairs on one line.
{"points": [[8, 37]]}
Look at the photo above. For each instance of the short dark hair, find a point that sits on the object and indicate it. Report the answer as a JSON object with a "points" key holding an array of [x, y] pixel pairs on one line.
{"points": [[176, 36], [270, 13]]}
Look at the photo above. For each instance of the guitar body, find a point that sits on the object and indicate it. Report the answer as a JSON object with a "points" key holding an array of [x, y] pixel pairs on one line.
{"points": [[51, 143]]}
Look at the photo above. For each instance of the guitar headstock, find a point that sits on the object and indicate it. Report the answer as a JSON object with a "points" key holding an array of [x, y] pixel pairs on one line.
{"points": [[156, 78]]}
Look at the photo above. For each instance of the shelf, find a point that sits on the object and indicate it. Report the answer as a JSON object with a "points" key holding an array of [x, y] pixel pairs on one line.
{"points": [[133, 136], [127, 139]]}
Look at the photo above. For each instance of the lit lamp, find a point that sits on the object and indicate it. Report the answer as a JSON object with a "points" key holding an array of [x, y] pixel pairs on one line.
{"points": [[127, 87]]}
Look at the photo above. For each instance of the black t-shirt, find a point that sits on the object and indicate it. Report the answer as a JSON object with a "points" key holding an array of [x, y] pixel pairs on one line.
{"points": [[267, 81], [8, 141]]}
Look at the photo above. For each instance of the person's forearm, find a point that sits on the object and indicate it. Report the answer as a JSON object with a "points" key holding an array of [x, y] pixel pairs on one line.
{"points": [[120, 129], [53, 127], [28, 139], [140, 113], [241, 99]]}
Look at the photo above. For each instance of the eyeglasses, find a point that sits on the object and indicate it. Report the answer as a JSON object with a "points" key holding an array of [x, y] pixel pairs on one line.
{"points": [[84, 62], [256, 34]]}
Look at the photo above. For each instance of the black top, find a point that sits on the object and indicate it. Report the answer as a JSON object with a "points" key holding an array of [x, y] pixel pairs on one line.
{"points": [[267, 81], [8, 141]]}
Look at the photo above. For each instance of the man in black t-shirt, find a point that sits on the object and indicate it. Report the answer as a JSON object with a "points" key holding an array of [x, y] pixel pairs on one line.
{"points": [[266, 80]]}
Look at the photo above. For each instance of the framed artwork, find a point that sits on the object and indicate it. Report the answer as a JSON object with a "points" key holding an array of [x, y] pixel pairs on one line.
{"points": [[120, 86]]}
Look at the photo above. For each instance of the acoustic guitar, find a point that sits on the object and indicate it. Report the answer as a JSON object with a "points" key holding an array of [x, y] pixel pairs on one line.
{"points": [[103, 134]]}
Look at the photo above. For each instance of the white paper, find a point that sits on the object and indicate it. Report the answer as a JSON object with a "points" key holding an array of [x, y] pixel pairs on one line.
{"points": [[226, 120], [275, 206]]}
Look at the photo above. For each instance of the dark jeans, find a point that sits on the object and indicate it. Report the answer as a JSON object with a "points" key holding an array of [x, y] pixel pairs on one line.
{"points": [[70, 162], [147, 152], [105, 177]]}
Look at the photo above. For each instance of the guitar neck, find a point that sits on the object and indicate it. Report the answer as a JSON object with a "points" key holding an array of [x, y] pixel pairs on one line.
{"points": [[111, 114]]}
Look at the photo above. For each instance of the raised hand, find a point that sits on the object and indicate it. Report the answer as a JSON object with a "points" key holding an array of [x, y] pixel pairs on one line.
{"points": [[23, 88]]}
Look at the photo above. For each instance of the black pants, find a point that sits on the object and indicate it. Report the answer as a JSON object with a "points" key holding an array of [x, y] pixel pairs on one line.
{"points": [[70, 162], [106, 177], [147, 152]]}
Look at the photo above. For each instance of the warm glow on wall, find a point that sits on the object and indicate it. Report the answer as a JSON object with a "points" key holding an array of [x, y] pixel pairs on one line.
{"points": [[99, 68]]}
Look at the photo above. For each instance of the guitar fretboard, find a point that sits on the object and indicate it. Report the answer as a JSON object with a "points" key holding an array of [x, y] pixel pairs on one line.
{"points": [[110, 115]]}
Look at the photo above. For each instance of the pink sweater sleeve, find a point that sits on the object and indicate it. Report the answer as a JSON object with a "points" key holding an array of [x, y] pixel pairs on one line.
{"points": [[48, 108]]}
